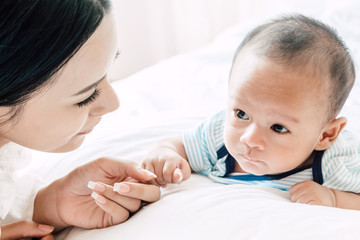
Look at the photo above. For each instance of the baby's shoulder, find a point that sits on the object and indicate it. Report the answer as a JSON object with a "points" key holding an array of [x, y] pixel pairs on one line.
{"points": [[347, 144], [341, 163], [214, 124], [218, 118], [344, 150]]}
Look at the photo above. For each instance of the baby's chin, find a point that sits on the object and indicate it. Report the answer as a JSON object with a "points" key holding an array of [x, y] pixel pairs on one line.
{"points": [[257, 169], [261, 173]]}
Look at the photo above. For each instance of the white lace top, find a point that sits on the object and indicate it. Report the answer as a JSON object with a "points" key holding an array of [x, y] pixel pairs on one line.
{"points": [[17, 188]]}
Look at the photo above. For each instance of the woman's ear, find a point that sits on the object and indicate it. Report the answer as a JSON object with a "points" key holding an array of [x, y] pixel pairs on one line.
{"points": [[330, 133]]}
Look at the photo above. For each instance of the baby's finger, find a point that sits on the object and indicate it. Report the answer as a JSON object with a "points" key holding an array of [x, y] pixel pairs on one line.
{"points": [[294, 188], [304, 199], [107, 192], [296, 195], [158, 170], [145, 192], [168, 171], [185, 169], [177, 176]]}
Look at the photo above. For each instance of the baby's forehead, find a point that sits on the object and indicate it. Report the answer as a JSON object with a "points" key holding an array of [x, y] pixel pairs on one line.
{"points": [[280, 81], [249, 66]]}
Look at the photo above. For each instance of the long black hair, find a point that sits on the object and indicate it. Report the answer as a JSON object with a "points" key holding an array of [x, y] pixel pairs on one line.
{"points": [[37, 37]]}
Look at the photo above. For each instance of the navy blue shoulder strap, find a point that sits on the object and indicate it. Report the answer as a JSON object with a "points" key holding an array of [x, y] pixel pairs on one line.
{"points": [[229, 162], [316, 167]]}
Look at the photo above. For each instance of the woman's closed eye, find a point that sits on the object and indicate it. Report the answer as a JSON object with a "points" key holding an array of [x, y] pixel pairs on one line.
{"points": [[90, 99], [241, 114]]}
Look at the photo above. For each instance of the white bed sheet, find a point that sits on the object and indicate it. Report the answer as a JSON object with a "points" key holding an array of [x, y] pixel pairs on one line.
{"points": [[179, 93]]}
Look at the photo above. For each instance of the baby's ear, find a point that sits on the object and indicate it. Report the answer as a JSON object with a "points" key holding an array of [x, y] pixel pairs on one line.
{"points": [[330, 133]]}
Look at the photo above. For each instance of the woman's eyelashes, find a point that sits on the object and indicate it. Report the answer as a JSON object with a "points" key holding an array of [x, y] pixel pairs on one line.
{"points": [[90, 99]]}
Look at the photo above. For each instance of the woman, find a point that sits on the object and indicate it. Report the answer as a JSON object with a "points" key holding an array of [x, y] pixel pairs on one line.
{"points": [[54, 58]]}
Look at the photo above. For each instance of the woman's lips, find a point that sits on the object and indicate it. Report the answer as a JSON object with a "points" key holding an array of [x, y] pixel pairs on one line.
{"points": [[89, 130], [86, 132]]}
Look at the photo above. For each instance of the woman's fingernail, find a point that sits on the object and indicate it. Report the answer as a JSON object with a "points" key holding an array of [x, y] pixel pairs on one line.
{"points": [[98, 198], [148, 173], [122, 187], [96, 186], [46, 228]]}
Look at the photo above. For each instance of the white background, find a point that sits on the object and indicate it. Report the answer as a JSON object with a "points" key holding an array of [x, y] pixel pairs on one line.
{"points": [[152, 30]]}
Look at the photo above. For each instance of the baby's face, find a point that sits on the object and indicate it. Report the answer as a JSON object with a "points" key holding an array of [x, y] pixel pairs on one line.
{"points": [[275, 116]]}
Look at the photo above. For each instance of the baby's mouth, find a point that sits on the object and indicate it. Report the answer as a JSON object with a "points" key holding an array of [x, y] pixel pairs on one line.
{"points": [[249, 158]]}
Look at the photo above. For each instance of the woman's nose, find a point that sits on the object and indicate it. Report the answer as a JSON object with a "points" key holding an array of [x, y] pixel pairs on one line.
{"points": [[253, 137], [107, 101]]}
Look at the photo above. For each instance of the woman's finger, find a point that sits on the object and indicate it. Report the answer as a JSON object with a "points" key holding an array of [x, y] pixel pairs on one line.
{"points": [[24, 229], [48, 237], [123, 169], [145, 192], [148, 166], [118, 213], [107, 191]]}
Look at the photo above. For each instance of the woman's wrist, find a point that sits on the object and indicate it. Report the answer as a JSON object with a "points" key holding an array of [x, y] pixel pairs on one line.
{"points": [[46, 206]]}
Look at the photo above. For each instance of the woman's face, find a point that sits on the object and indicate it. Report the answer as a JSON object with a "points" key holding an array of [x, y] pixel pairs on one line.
{"points": [[57, 118]]}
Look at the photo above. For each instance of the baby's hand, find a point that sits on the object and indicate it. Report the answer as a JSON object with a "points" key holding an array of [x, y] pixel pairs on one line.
{"points": [[310, 192], [168, 166]]}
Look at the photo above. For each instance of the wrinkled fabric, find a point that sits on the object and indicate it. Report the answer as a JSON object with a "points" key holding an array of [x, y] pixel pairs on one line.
{"points": [[17, 187]]}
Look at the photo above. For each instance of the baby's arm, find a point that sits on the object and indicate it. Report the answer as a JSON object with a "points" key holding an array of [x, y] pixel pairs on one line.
{"points": [[168, 160], [310, 192]]}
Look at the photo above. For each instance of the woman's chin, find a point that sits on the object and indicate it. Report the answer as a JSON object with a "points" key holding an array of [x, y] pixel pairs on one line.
{"points": [[72, 145]]}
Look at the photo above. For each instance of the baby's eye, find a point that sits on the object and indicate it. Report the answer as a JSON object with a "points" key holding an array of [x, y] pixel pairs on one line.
{"points": [[279, 129], [241, 114]]}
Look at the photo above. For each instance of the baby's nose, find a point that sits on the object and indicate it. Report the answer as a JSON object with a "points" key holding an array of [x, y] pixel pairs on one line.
{"points": [[253, 137]]}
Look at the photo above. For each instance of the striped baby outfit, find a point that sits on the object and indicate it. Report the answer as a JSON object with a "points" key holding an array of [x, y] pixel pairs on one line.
{"points": [[337, 167]]}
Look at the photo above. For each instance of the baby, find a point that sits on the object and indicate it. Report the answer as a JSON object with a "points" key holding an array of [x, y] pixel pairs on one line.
{"points": [[289, 80]]}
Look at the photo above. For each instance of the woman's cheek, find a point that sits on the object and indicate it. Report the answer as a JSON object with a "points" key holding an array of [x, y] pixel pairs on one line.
{"points": [[78, 124], [68, 124]]}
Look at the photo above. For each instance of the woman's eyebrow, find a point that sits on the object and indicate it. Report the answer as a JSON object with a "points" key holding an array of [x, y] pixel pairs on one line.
{"points": [[89, 87]]}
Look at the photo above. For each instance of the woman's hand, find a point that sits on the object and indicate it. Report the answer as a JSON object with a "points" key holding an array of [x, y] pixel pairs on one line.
{"points": [[69, 202], [26, 229]]}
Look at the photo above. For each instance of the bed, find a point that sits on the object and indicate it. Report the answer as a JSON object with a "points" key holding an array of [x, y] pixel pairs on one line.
{"points": [[179, 93]]}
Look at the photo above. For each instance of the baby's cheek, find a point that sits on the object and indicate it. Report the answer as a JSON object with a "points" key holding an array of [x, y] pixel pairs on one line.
{"points": [[231, 139], [227, 136], [281, 160]]}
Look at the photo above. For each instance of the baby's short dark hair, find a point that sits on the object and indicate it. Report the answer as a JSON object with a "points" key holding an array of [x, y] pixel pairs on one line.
{"points": [[297, 41]]}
